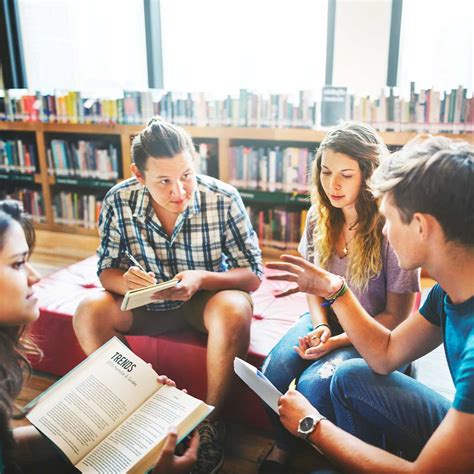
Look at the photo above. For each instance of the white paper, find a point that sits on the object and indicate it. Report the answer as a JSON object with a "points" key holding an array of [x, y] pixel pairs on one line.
{"points": [[258, 383]]}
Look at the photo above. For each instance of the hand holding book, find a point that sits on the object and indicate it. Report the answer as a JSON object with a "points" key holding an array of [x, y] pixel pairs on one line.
{"points": [[114, 402], [142, 287]]}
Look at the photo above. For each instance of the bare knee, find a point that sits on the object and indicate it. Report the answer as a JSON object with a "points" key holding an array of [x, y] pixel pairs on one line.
{"points": [[230, 310], [96, 312]]}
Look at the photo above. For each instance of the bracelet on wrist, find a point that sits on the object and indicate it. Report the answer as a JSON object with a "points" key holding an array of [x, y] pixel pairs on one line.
{"points": [[321, 324], [330, 299]]}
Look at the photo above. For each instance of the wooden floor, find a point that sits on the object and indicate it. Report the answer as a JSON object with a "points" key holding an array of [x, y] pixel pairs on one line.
{"points": [[245, 448]]}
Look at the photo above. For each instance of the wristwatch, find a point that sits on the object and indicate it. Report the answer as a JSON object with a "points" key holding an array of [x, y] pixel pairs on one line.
{"points": [[308, 424]]}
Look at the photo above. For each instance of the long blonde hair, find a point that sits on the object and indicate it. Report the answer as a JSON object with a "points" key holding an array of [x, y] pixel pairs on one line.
{"points": [[361, 143]]}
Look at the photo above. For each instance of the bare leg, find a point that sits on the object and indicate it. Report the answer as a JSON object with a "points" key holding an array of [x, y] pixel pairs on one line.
{"points": [[227, 319], [98, 318]]}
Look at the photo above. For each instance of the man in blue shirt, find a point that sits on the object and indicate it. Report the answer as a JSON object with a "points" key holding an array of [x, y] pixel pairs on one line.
{"points": [[177, 225], [427, 196]]}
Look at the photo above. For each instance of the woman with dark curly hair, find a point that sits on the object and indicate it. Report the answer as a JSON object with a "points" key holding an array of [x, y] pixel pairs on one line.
{"points": [[24, 449]]}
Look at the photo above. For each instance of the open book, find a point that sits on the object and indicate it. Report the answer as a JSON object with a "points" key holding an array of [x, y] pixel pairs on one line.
{"points": [[110, 413], [142, 296]]}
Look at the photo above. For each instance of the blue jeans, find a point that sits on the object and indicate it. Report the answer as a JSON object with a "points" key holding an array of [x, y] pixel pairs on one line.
{"points": [[389, 409], [283, 365]]}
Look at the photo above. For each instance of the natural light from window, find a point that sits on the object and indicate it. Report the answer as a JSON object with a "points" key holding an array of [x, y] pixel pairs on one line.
{"points": [[87, 45], [437, 42], [262, 45]]}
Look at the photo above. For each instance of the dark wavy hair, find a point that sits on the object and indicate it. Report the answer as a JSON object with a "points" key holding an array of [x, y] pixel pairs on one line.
{"points": [[15, 344]]}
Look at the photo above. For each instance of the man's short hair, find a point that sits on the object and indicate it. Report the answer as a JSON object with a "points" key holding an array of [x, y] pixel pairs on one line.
{"points": [[435, 176]]}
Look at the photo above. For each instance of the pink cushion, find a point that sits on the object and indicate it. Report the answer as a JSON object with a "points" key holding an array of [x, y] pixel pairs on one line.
{"points": [[181, 356]]}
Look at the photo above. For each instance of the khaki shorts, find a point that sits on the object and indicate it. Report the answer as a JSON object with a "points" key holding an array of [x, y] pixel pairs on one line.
{"points": [[190, 314]]}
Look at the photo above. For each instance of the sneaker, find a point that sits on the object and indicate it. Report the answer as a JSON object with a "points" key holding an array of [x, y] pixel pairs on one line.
{"points": [[211, 447]]}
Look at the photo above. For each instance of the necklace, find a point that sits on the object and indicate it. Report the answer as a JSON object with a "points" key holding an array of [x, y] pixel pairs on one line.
{"points": [[345, 249]]}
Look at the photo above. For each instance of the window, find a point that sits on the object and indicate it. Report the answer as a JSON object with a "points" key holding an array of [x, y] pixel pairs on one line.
{"points": [[361, 43], [436, 44], [87, 45], [264, 45]]}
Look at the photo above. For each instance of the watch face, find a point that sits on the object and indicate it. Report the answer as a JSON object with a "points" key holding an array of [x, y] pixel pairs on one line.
{"points": [[306, 424]]}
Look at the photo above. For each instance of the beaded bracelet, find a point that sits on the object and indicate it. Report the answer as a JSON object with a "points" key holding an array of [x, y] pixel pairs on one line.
{"points": [[330, 299]]}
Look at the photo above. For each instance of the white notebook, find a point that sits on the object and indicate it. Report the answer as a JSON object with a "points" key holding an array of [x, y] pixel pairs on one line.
{"points": [[142, 296]]}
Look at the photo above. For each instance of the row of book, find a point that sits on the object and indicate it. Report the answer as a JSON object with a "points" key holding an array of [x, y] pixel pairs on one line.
{"points": [[76, 209], [31, 199], [428, 110], [83, 159], [270, 168], [16, 156], [277, 228], [448, 111]]}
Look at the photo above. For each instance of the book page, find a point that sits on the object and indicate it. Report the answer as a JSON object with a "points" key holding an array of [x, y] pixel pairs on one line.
{"points": [[92, 400], [146, 429]]}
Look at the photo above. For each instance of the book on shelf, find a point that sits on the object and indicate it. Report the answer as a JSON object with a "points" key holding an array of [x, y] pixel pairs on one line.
{"points": [[83, 159], [427, 110], [277, 228], [146, 295], [76, 209], [285, 169], [31, 199], [333, 105], [110, 413], [17, 156]]}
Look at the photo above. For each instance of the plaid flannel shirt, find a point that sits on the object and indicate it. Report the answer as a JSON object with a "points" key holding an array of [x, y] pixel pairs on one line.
{"points": [[214, 233]]}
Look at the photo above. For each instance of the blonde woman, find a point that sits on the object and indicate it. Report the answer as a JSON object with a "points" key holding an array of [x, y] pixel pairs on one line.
{"points": [[344, 234]]}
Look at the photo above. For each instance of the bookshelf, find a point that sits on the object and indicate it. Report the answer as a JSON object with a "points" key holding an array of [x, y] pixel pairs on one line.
{"points": [[218, 139]]}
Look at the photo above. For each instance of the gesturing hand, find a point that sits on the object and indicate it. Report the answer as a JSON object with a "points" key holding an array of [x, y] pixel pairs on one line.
{"points": [[308, 277]]}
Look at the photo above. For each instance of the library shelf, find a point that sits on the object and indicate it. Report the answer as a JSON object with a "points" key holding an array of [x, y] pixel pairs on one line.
{"points": [[225, 137]]}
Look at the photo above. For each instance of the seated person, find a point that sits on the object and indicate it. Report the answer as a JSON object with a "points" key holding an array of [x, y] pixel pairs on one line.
{"points": [[428, 201], [344, 235], [177, 225], [24, 448]]}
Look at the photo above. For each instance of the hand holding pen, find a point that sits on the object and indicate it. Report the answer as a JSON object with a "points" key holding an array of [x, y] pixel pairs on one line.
{"points": [[136, 276]]}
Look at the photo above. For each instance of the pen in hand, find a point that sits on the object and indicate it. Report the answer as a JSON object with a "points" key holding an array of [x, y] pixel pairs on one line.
{"points": [[137, 264], [134, 261]]}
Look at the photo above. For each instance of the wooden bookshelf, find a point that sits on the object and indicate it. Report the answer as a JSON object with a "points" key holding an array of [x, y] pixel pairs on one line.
{"points": [[223, 135]]}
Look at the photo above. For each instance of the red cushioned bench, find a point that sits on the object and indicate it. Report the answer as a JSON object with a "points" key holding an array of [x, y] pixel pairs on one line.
{"points": [[181, 356]]}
